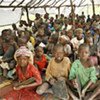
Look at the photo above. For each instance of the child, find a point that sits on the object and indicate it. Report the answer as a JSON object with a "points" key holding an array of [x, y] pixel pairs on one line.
{"points": [[53, 39], [82, 70], [40, 59], [65, 41], [57, 69], [7, 62], [77, 41], [98, 54], [25, 70], [98, 65], [93, 57]]}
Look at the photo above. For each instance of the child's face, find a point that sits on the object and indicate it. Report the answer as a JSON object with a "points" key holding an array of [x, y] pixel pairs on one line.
{"points": [[59, 55], [90, 41], [39, 52], [50, 40], [62, 41], [84, 53], [69, 34], [79, 35], [23, 61]]}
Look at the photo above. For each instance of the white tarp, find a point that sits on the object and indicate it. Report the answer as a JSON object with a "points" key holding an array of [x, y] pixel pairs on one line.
{"points": [[7, 16]]}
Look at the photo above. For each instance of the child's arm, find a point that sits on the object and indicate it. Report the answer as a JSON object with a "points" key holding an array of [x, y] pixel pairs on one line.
{"points": [[93, 80], [28, 83], [31, 83], [85, 89], [20, 85]]}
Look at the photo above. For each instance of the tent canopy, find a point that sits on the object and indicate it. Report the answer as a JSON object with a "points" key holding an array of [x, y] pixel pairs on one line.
{"points": [[12, 9], [45, 3]]}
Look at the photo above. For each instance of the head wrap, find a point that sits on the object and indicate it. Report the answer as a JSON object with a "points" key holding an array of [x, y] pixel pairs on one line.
{"points": [[65, 37], [25, 52]]}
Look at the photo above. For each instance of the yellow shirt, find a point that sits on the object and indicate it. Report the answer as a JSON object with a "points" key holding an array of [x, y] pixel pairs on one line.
{"points": [[58, 69], [32, 40]]}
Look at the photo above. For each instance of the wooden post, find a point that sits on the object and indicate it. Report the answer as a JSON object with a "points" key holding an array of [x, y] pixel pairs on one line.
{"points": [[27, 14], [58, 11], [93, 7], [45, 9], [72, 12]]}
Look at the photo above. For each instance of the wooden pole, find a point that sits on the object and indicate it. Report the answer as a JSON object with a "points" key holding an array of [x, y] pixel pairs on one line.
{"points": [[58, 11], [72, 12], [45, 9], [27, 14], [93, 7]]}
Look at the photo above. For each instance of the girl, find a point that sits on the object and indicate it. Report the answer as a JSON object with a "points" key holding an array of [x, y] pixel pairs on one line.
{"points": [[82, 70], [40, 59], [25, 70]]}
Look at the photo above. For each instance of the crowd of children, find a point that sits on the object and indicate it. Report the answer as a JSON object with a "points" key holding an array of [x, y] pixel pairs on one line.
{"points": [[52, 56]]}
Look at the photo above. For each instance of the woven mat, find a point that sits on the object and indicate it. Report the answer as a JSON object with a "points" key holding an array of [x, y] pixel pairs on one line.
{"points": [[5, 83]]}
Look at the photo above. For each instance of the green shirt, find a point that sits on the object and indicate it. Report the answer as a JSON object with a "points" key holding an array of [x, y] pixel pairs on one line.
{"points": [[84, 74]]}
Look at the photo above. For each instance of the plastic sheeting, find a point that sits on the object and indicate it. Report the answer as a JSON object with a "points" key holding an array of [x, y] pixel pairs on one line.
{"points": [[8, 17]]}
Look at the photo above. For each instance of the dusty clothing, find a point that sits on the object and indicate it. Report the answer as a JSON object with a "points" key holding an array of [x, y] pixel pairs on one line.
{"points": [[85, 74], [58, 69]]}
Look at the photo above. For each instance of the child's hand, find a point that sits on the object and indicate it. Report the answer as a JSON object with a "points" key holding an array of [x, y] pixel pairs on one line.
{"points": [[44, 69], [62, 78], [18, 88], [83, 92], [75, 84], [1, 61], [52, 81]]}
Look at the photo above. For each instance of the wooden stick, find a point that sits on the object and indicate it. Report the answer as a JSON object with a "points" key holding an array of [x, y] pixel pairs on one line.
{"points": [[26, 82]]}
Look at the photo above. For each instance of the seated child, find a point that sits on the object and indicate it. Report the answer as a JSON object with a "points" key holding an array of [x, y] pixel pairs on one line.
{"points": [[57, 69], [7, 62], [82, 71], [98, 54], [64, 40], [98, 57], [93, 57], [52, 41], [77, 41], [28, 75], [40, 59]]}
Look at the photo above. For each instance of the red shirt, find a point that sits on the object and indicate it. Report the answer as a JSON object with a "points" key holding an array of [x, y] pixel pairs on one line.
{"points": [[41, 63], [31, 71]]}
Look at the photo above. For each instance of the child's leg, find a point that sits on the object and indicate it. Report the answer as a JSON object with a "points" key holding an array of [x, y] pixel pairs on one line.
{"points": [[0, 71], [49, 91], [41, 89], [4, 72], [72, 95], [96, 90], [95, 93], [70, 88]]}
